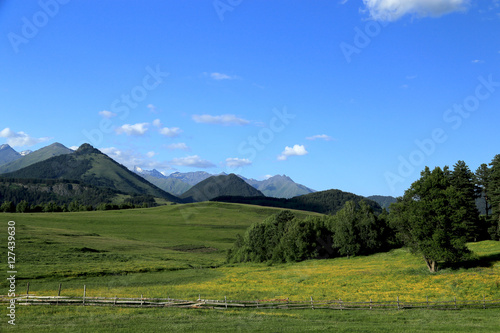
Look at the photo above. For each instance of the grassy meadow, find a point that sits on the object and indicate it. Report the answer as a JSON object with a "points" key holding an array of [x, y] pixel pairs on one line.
{"points": [[179, 251]]}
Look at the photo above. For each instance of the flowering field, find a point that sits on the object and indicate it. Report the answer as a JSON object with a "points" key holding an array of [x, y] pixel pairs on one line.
{"points": [[169, 252], [380, 277]]}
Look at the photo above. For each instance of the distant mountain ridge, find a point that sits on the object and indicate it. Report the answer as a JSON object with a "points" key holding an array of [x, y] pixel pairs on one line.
{"points": [[382, 200], [153, 173], [90, 166], [8, 154], [39, 155], [279, 186], [223, 185]]}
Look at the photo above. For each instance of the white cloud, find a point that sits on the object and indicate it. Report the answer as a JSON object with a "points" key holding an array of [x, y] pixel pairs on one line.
{"points": [[130, 158], [18, 139], [477, 61], [221, 76], [107, 114], [136, 129], [126, 158], [171, 132], [73, 147], [192, 161], [152, 108], [150, 154], [320, 136], [237, 162], [225, 119], [180, 146], [392, 10], [157, 123], [296, 150]]}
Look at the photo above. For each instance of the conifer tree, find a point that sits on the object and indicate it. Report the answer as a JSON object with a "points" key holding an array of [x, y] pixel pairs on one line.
{"points": [[494, 193], [429, 219]]}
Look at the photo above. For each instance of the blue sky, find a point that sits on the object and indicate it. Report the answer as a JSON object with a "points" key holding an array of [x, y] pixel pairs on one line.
{"points": [[353, 95]]}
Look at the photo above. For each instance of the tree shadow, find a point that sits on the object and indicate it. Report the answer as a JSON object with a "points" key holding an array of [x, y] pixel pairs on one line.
{"points": [[486, 261]]}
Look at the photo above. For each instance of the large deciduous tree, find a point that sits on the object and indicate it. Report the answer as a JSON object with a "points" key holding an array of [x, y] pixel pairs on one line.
{"points": [[429, 218]]}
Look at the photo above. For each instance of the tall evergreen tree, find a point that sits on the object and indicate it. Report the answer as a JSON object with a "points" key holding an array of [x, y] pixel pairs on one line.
{"points": [[464, 182], [483, 179], [429, 218], [494, 193]]}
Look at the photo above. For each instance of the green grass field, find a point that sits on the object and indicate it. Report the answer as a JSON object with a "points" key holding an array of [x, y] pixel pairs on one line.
{"points": [[179, 251], [105, 319]]}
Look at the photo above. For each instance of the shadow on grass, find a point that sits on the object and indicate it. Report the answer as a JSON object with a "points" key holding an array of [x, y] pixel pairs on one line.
{"points": [[481, 262]]}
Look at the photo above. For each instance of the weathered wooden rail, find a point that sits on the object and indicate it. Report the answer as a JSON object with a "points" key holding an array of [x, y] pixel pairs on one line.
{"points": [[455, 304]]}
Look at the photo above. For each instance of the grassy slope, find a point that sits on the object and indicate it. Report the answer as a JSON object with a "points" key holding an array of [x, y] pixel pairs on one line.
{"points": [[99, 319], [141, 251], [69, 246]]}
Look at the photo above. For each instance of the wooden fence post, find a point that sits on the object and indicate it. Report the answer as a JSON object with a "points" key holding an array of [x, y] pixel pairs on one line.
{"points": [[455, 299], [340, 304], [312, 303], [84, 293], [58, 294], [370, 303], [142, 300], [225, 301], [27, 289], [427, 300], [484, 302], [398, 302]]}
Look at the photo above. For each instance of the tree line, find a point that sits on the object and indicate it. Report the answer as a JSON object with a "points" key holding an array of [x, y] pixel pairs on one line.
{"points": [[324, 202], [60, 195], [435, 218], [75, 206]]}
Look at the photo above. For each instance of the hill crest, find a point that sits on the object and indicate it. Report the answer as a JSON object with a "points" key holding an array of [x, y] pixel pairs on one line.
{"points": [[39, 155], [223, 185], [92, 167]]}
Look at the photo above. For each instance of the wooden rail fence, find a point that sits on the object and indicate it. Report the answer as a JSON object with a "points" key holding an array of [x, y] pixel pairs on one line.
{"points": [[339, 304]]}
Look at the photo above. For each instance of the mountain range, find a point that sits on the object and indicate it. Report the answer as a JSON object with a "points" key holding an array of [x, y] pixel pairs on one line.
{"points": [[22, 161], [178, 183], [89, 167]]}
